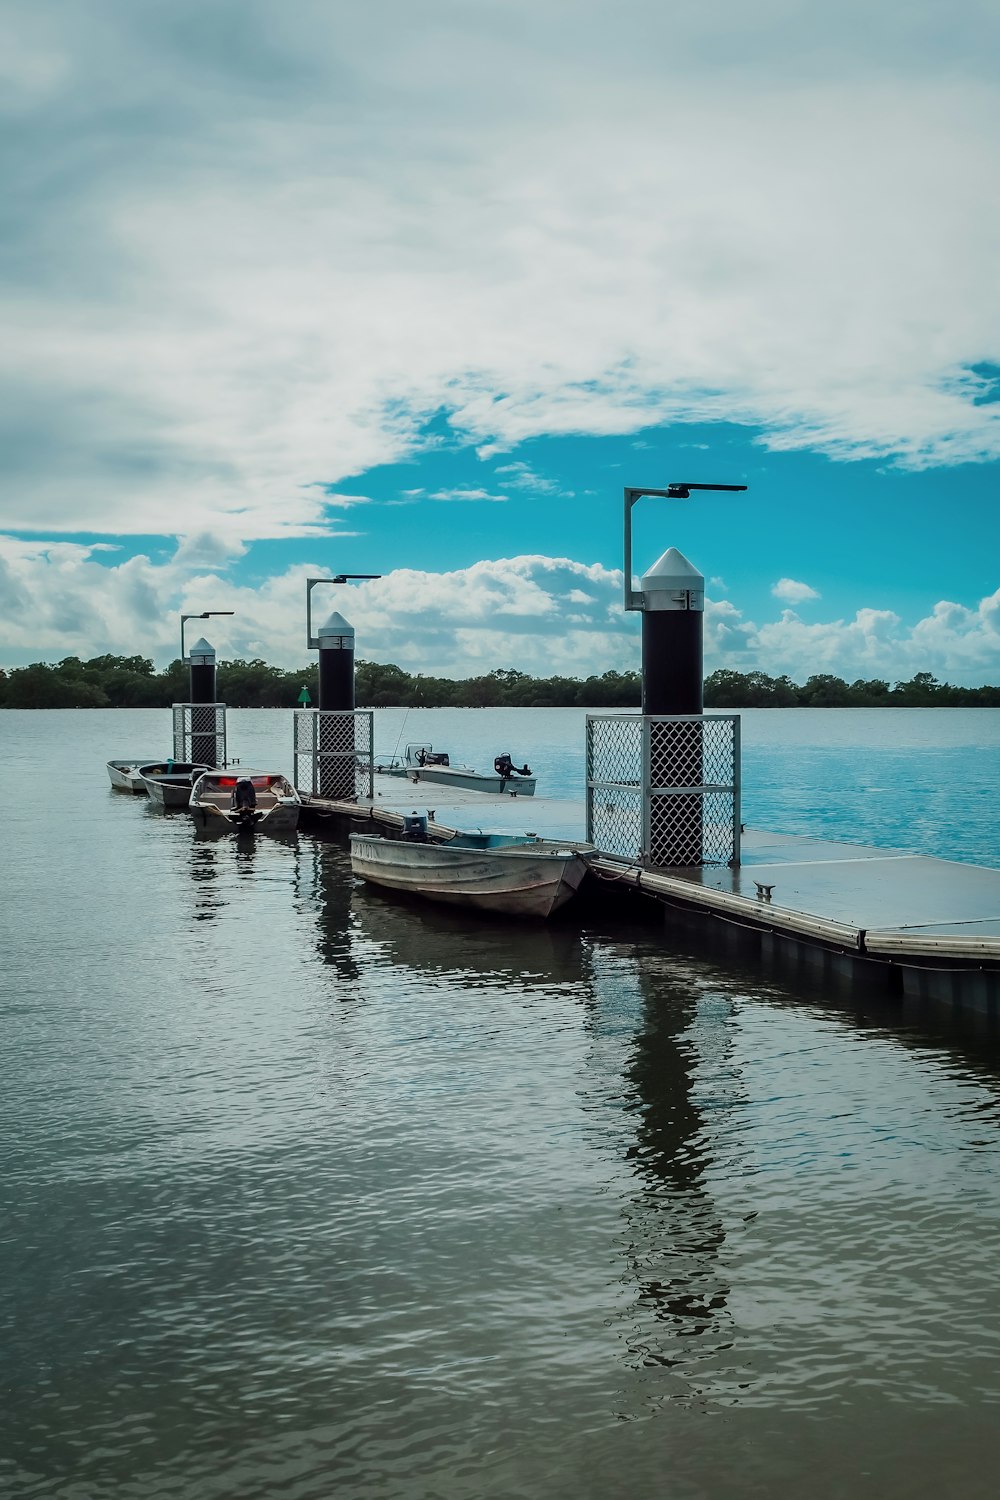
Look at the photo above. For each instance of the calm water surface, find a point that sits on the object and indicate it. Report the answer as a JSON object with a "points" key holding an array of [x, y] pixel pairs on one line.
{"points": [[306, 1193]]}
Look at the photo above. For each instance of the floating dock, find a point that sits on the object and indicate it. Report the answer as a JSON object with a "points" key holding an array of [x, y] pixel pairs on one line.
{"points": [[922, 927]]}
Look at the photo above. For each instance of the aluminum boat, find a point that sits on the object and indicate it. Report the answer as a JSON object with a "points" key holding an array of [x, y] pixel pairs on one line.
{"points": [[422, 763], [517, 875], [168, 782], [251, 801], [124, 774]]}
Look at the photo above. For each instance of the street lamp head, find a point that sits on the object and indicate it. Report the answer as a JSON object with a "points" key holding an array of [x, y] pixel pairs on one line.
{"points": [[202, 614], [312, 641], [679, 489]]}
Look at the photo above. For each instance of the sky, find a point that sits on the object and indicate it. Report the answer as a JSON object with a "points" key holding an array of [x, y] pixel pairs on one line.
{"points": [[297, 290]]}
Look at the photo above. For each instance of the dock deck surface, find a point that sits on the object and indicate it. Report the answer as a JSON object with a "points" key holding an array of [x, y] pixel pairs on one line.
{"points": [[889, 902]]}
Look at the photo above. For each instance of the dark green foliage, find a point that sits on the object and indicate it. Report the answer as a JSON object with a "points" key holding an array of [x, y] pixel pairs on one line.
{"points": [[757, 690], [130, 682]]}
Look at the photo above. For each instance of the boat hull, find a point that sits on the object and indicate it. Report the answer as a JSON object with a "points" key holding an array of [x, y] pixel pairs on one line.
{"points": [[526, 880], [472, 781], [169, 785], [165, 795], [124, 776], [420, 764], [275, 808], [215, 820]]}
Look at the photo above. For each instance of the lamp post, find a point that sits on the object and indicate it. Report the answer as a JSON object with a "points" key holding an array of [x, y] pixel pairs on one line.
{"points": [[335, 643], [671, 598], [201, 691], [205, 614], [336, 744]]}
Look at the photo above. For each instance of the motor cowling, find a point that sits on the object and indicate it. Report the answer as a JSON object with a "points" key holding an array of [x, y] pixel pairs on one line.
{"points": [[505, 767], [244, 795]]}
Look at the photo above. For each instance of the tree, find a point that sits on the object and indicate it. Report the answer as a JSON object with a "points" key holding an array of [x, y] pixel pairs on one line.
{"points": [[922, 690], [825, 691], [381, 686]]}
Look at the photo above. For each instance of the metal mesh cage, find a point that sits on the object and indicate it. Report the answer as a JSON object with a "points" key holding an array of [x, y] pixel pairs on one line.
{"points": [[333, 753], [664, 789], [200, 733]]}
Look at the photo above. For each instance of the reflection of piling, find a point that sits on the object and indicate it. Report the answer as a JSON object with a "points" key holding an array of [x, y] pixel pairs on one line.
{"points": [[204, 749], [676, 1230], [332, 889], [336, 739], [672, 684]]}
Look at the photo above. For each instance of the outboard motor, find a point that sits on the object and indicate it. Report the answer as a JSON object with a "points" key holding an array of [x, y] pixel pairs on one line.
{"points": [[505, 767], [244, 802], [415, 828]]}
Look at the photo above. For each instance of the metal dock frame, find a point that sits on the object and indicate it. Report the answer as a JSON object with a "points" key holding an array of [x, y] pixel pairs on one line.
{"points": [[622, 750], [334, 747]]}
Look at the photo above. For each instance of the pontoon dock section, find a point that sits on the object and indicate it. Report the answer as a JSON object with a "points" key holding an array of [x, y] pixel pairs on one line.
{"points": [[928, 928]]}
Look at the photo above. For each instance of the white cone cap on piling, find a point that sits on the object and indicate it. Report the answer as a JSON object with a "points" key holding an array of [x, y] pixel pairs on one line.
{"points": [[202, 654], [673, 583], [336, 633]]}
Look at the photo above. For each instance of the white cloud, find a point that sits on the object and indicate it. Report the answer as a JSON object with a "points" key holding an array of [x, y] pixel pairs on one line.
{"points": [[521, 476], [539, 614], [468, 494], [203, 549], [237, 269], [792, 592], [956, 643], [332, 498]]}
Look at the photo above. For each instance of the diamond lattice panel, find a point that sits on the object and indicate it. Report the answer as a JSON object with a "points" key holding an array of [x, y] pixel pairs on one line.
{"points": [[692, 825]]}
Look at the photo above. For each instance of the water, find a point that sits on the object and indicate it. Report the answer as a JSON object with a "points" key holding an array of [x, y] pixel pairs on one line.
{"points": [[310, 1194]]}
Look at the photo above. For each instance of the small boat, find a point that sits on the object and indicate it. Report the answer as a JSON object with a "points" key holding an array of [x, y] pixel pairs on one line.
{"points": [[254, 801], [168, 782], [124, 774], [516, 875], [422, 763]]}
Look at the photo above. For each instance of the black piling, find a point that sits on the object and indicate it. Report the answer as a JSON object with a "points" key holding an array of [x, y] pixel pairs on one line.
{"points": [[673, 595], [336, 695], [204, 745]]}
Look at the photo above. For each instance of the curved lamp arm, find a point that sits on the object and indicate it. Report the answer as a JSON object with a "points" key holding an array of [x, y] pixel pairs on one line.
{"points": [[678, 491], [202, 615]]}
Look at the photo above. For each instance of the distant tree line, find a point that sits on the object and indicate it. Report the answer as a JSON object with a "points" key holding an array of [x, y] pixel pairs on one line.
{"points": [[131, 682], [756, 690]]}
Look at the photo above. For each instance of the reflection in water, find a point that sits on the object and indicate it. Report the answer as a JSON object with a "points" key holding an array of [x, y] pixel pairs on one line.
{"points": [[327, 871], [360, 928], [677, 1292], [260, 1243], [678, 1232], [433, 940], [208, 896]]}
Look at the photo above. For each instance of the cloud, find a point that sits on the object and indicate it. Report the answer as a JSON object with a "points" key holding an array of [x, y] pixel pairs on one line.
{"points": [[247, 255], [342, 502], [203, 549], [792, 592], [468, 494], [954, 642], [521, 476], [539, 614]]}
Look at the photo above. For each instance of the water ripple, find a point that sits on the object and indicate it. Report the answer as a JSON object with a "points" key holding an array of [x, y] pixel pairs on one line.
{"points": [[307, 1192]]}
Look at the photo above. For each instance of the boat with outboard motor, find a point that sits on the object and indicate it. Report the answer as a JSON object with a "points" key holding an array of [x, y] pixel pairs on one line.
{"points": [[168, 782], [124, 774], [422, 763], [518, 875], [244, 800]]}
